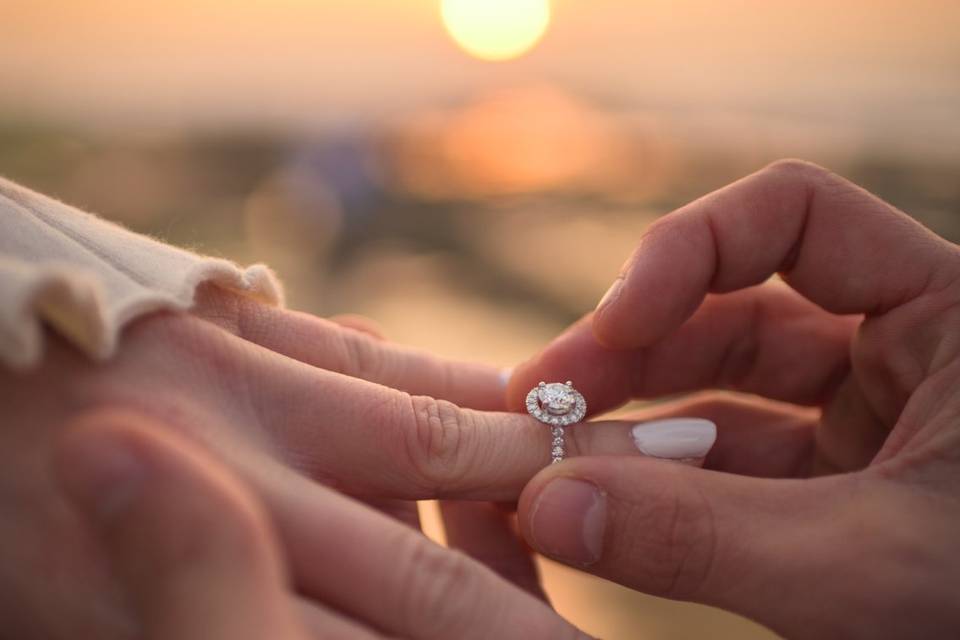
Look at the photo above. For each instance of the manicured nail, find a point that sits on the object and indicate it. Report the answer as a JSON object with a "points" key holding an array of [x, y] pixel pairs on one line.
{"points": [[568, 520], [103, 474], [612, 293], [675, 438], [505, 375]]}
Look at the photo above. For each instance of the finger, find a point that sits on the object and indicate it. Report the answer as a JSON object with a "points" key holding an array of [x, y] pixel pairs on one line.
{"points": [[191, 547], [367, 440], [754, 437], [758, 547], [394, 578], [486, 533], [359, 323], [764, 340], [334, 347], [835, 243]]}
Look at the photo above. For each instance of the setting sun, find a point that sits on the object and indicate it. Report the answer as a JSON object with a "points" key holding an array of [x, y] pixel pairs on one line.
{"points": [[496, 29]]}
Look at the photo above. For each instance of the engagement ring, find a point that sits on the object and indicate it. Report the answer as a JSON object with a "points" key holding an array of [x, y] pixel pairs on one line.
{"points": [[557, 404]]}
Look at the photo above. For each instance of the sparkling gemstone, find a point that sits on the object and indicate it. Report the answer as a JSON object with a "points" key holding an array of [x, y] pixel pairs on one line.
{"points": [[557, 451], [556, 398]]}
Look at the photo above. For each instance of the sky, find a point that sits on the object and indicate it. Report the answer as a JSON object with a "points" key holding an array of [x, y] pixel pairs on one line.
{"points": [[892, 66]]}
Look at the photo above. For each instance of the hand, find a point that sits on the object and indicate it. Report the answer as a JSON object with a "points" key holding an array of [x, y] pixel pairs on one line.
{"points": [[289, 403], [195, 553], [853, 374]]}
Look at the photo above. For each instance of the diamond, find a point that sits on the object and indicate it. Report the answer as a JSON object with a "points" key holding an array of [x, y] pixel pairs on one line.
{"points": [[556, 397], [557, 452]]}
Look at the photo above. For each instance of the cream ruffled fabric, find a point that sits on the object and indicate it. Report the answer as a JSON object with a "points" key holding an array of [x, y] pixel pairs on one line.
{"points": [[86, 278]]}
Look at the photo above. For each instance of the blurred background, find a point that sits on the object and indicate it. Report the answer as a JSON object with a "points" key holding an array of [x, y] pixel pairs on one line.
{"points": [[470, 173]]}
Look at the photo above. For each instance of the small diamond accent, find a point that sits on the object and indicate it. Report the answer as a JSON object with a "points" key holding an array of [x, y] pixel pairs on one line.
{"points": [[557, 398]]}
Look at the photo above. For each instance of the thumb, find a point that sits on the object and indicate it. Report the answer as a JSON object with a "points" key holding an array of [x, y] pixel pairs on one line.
{"points": [[190, 548], [750, 545]]}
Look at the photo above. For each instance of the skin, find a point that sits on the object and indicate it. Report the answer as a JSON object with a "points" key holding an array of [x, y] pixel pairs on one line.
{"points": [[275, 436], [829, 505]]}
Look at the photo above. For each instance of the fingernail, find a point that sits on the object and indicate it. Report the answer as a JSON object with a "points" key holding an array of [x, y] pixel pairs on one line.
{"points": [[103, 474], [612, 293], [675, 438], [568, 521], [505, 375]]}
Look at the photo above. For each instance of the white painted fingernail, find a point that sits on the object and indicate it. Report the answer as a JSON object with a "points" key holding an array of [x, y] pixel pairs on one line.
{"points": [[505, 375], [675, 438]]}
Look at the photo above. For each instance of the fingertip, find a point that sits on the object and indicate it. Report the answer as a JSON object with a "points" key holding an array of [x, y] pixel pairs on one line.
{"points": [[565, 518], [530, 494], [190, 545], [141, 485], [624, 322], [504, 376], [676, 438], [661, 285], [611, 334], [642, 317], [604, 376], [559, 360], [610, 297], [512, 401], [517, 386]]}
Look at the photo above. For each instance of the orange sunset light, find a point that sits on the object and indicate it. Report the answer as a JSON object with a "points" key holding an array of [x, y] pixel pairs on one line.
{"points": [[496, 29]]}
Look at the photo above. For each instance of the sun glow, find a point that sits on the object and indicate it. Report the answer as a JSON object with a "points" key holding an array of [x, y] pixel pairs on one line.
{"points": [[496, 29]]}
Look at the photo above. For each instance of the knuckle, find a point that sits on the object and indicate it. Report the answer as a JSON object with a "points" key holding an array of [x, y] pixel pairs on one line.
{"points": [[435, 445], [692, 544], [437, 588], [678, 545], [363, 357], [794, 168]]}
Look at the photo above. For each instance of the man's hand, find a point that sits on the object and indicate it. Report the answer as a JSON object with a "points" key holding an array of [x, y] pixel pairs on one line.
{"points": [[851, 374]]}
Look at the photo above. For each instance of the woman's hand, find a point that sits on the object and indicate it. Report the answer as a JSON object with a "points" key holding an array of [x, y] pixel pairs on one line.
{"points": [[291, 404], [196, 556], [854, 376]]}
